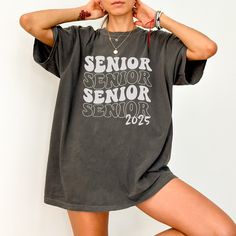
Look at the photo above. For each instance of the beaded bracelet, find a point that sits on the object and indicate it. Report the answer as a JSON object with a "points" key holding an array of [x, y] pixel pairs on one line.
{"points": [[83, 14], [157, 19]]}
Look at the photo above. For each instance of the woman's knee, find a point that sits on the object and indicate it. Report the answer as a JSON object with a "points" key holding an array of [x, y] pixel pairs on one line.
{"points": [[225, 229], [181, 206]]}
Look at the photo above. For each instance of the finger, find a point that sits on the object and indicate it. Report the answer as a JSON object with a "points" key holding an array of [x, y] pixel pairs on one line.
{"points": [[138, 23], [98, 2], [138, 3]]}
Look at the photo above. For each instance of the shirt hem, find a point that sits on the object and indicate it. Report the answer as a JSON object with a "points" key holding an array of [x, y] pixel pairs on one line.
{"points": [[77, 207]]}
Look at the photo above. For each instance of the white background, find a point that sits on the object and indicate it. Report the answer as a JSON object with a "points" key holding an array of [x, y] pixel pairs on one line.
{"points": [[204, 115]]}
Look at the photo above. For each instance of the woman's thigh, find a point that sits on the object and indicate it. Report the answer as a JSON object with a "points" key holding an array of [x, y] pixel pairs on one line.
{"points": [[89, 223], [184, 208]]}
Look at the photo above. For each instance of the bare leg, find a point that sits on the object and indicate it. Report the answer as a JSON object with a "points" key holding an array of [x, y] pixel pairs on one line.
{"points": [[89, 223], [188, 211]]}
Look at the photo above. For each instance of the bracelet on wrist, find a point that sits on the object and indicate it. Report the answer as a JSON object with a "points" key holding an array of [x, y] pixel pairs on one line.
{"points": [[83, 14], [157, 20]]}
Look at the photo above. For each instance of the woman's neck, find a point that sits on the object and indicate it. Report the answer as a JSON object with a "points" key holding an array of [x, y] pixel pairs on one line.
{"points": [[120, 23]]}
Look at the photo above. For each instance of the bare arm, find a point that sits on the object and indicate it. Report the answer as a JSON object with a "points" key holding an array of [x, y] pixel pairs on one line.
{"points": [[40, 23], [199, 46]]}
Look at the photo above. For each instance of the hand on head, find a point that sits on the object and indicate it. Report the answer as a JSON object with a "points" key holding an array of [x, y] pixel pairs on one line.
{"points": [[144, 14], [95, 9]]}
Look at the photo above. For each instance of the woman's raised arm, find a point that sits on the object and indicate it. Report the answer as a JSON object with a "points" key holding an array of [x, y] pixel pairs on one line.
{"points": [[199, 46], [39, 23]]}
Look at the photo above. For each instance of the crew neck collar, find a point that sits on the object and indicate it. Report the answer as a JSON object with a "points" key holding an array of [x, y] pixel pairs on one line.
{"points": [[104, 31]]}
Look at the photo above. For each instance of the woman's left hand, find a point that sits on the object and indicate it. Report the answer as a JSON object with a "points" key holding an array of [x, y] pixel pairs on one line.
{"points": [[144, 14]]}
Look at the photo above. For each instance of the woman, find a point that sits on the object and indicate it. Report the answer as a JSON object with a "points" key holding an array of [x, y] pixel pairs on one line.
{"points": [[112, 129]]}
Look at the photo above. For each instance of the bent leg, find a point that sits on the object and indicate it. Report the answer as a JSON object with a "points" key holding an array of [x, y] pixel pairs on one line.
{"points": [[170, 232], [185, 209], [89, 223]]}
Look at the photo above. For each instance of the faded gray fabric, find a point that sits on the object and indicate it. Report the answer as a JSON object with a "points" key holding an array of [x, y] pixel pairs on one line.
{"points": [[112, 129]]}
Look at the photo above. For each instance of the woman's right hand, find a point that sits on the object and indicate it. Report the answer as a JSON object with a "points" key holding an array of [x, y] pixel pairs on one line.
{"points": [[93, 7]]}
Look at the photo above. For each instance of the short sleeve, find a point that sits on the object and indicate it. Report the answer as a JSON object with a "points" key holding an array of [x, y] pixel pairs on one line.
{"points": [[57, 58], [180, 70]]}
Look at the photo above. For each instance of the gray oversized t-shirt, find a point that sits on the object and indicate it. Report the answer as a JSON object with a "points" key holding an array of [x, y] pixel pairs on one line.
{"points": [[112, 128]]}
